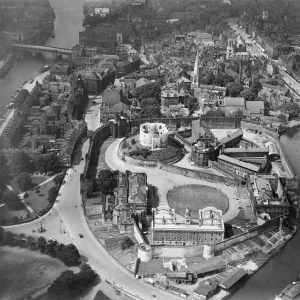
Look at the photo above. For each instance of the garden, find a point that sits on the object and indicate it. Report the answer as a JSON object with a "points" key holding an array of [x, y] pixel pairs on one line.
{"points": [[196, 197]]}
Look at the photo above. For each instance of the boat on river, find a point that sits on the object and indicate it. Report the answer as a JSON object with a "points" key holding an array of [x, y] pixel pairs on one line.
{"points": [[45, 68]]}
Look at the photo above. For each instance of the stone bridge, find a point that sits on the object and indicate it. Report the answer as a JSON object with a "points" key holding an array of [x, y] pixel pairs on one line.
{"points": [[34, 49]]}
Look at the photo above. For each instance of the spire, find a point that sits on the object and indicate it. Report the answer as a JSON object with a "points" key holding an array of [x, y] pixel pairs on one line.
{"points": [[195, 82]]}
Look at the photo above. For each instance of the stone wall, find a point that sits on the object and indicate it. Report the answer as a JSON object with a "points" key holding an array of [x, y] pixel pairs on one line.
{"points": [[256, 126], [198, 174], [272, 224], [101, 133], [225, 171]]}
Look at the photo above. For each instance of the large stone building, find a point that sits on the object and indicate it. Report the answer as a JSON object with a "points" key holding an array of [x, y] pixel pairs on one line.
{"points": [[205, 147], [130, 199], [154, 135], [167, 230]]}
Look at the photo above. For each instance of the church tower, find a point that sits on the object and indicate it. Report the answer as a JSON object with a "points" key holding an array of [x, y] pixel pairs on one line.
{"points": [[229, 49], [195, 82]]}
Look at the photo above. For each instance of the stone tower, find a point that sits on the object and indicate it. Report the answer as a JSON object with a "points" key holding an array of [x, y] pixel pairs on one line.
{"points": [[119, 39], [195, 82]]}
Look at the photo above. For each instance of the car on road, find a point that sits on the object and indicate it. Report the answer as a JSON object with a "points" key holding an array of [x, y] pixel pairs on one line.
{"points": [[80, 235]]}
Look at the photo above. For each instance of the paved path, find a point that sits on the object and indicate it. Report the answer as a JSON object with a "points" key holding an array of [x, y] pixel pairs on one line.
{"points": [[166, 181]]}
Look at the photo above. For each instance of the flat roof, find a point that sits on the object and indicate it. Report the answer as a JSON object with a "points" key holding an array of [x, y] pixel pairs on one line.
{"points": [[240, 163]]}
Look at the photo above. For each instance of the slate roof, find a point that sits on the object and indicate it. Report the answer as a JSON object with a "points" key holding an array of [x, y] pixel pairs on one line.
{"points": [[240, 163], [234, 101], [255, 107], [232, 136], [137, 188]]}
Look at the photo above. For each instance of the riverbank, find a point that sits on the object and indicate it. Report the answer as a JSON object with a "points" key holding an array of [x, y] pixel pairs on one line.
{"points": [[6, 64]]}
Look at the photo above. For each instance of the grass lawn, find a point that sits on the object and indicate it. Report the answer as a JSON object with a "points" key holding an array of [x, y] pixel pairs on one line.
{"points": [[132, 147], [38, 179], [24, 272], [196, 197], [101, 296], [39, 201]]}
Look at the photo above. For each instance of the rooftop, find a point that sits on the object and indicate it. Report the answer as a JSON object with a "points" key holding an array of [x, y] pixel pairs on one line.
{"points": [[240, 163]]}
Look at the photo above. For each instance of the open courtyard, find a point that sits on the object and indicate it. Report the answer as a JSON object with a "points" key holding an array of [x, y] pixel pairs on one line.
{"points": [[196, 197]]}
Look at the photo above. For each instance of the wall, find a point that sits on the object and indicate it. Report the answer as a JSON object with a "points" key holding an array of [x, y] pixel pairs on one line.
{"points": [[273, 134], [272, 224], [101, 133], [144, 250], [198, 174]]}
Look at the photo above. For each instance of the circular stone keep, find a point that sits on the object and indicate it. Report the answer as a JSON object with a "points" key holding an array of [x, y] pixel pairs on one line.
{"points": [[196, 197]]}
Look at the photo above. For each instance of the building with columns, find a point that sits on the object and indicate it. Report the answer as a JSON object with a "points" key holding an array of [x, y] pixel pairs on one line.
{"points": [[208, 229]]}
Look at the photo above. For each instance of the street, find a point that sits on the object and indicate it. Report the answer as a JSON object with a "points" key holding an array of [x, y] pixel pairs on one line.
{"points": [[68, 212], [255, 51]]}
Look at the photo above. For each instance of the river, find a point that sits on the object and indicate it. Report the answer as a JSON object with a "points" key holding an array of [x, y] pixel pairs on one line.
{"points": [[279, 271], [69, 16]]}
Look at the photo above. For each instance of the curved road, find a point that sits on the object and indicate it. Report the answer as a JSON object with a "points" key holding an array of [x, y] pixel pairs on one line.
{"points": [[67, 214], [165, 181]]}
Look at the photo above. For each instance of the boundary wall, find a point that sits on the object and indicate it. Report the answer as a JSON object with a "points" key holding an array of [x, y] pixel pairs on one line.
{"points": [[249, 124], [179, 170], [101, 132]]}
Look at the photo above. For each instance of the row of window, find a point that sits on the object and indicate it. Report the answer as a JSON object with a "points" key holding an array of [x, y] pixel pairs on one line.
{"points": [[193, 239]]}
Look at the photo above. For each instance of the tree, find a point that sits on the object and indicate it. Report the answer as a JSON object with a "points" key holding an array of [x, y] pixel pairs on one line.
{"points": [[52, 194], [248, 95], [133, 141], [41, 244], [8, 238], [256, 86], [24, 181], [47, 162], [58, 179], [21, 162], [290, 108], [127, 243], [108, 181], [3, 168], [150, 108], [69, 285], [69, 255], [233, 89], [12, 200]]}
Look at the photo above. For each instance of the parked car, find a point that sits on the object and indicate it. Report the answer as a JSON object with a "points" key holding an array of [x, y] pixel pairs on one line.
{"points": [[81, 235]]}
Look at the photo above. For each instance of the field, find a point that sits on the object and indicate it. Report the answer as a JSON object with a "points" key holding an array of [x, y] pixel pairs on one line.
{"points": [[24, 272], [196, 197]]}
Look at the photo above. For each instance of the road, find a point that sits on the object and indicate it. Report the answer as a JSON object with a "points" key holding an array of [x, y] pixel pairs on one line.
{"points": [[255, 51], [68, 213], [166, 181]]}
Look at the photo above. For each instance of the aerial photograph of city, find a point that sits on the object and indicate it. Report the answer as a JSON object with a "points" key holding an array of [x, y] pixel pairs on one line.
{"points": [[149, 149]]}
